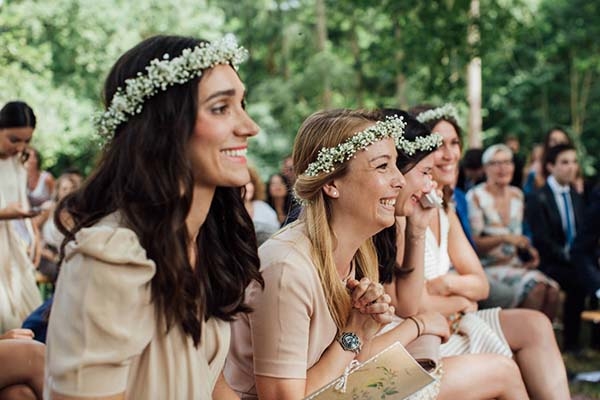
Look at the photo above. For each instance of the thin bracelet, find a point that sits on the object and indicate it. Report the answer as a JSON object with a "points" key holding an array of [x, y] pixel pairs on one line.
{"points": [[413, 319]]}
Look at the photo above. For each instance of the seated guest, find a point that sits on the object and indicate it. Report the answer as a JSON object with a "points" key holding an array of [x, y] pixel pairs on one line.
{"points": [[471, 170], [279, 196], [263, 216], [585, 249], [40, 184], [525, 334], [554, 213], [496, 216], [321, 274]]}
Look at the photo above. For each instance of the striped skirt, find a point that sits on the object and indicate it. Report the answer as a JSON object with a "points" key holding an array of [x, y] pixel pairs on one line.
{"points": [[478, 332]]}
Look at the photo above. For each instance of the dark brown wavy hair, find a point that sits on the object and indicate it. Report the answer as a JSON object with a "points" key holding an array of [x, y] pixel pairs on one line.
{"points": [[385, 241], [145, 174]]}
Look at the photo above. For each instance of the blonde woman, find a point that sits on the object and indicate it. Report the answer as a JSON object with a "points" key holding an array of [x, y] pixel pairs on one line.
{"points": [[322, 304]]}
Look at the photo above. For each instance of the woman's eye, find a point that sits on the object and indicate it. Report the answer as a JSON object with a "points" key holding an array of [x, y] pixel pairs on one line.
{"points": [[244, 104], [219, 109], [382, 166]]}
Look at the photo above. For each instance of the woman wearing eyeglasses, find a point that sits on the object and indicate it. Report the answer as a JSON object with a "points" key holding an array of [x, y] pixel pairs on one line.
{"points": [[496, 218]]}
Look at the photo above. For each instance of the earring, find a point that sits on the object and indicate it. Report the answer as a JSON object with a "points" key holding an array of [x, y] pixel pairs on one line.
{"points": [[334, 193]]}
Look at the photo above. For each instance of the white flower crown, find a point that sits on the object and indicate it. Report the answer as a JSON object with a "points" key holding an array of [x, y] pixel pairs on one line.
{"points": [[328, 157], [161, 74], [421, 143], [445, 111]]}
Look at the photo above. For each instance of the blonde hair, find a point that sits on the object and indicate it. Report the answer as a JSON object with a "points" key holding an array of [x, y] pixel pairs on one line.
{"points": [[328, 129]]}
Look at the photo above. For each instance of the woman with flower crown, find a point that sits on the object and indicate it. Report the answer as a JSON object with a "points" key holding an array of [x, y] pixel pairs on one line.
{"points": [[160, 247], [401, 256], [322, 304], [525, 335]]}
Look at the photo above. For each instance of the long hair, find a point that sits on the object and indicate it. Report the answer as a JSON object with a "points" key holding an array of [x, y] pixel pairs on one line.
{"points": [[328, 129], [18, 114], [385, 241], [288, 202], [415, 111], [145, 174]]}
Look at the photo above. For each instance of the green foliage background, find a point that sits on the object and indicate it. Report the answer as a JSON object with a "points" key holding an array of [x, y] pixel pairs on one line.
{"points": [[540, 62]]}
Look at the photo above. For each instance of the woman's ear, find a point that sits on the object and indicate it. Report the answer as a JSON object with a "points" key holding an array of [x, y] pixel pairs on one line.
{"points": [[331, 190]]}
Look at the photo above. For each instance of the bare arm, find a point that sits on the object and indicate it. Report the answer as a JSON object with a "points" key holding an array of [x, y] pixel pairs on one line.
{"points": [[470, 282], [446, 305]]}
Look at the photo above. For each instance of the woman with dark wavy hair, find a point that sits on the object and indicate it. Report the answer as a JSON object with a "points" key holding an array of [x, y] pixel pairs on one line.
{"points": [[160, 248]]}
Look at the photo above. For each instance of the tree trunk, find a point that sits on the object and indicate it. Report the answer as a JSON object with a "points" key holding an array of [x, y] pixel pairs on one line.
{"points": [[400, 77], [321, 47], [474, 79]]}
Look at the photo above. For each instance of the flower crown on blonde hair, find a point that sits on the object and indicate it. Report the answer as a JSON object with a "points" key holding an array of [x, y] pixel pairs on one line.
{"points": [[446, 111], [329, 157], [162, 74]]}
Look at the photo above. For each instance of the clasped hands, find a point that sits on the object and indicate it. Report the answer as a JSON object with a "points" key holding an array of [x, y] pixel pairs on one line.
{"points": [[371, 307]]}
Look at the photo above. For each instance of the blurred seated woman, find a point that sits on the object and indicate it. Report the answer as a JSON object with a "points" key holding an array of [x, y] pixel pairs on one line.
{"points": [[496, 217], [263, 216], [52, 238], [279, 196], [40, 184]]}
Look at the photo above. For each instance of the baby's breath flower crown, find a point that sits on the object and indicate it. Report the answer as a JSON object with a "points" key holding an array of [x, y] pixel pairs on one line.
{"points": [[445, 111], [329, 157], [421, 143], [161, 74]]}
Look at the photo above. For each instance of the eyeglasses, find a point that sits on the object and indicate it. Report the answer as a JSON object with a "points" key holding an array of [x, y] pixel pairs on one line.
{"points": [[497, 163]]}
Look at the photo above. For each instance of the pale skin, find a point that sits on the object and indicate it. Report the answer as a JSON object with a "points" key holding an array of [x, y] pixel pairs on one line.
{"points": [[500, 372], [528, 333], [222, 125]]}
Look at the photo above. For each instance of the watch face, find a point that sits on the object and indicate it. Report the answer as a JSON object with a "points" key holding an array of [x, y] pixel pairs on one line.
{"points": [[350, 341]]}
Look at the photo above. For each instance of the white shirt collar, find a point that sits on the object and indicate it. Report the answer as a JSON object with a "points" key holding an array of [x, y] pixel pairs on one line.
{"points": [[557, 187]]}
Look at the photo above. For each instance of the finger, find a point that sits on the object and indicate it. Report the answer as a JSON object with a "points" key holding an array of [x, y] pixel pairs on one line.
{"points": [[360, 289], [372, 294], [375, 308]]}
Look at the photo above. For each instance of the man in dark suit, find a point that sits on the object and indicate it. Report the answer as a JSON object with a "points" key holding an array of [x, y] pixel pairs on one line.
{"points": [[555, 213], [586, 250]]}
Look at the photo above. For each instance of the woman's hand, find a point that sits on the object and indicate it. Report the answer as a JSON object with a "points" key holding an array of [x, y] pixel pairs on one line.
{"points": [[17, 334], [434, 323], [516, 240], [535, 258], [15, 211], [469, 306], [369, 301], [439, 286]]}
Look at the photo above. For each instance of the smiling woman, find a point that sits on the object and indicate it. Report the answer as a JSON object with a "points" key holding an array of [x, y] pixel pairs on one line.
{"points": [[160, 247], [307, 327]]}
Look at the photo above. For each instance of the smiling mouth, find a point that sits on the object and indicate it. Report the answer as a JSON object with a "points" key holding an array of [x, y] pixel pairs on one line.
{"points": [[391, 203], [235, 152]]}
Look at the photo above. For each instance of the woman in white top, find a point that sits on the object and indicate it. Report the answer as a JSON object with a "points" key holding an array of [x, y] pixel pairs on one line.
{"points": [[263, 215], [40, 184], [18, 291], [160, 247], [528, 333]]}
